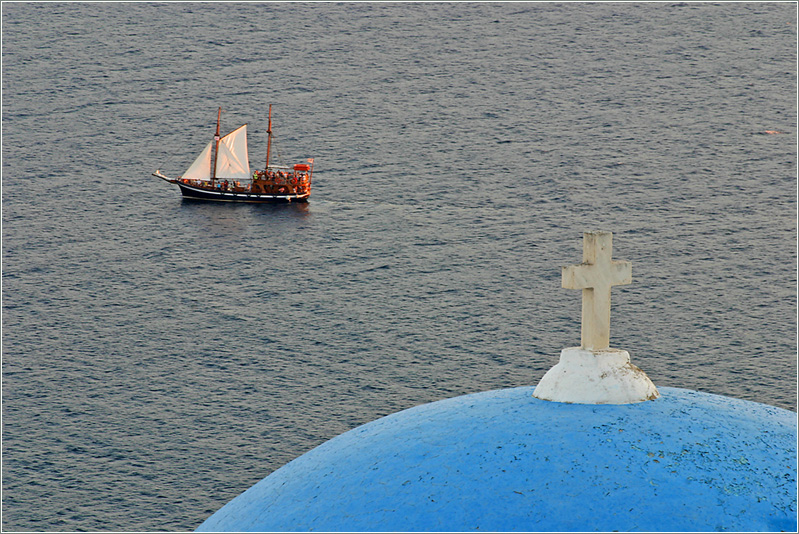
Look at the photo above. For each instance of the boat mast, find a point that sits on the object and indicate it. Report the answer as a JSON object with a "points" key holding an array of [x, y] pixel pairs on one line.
{"points": [[216, 147], [269, 139]]}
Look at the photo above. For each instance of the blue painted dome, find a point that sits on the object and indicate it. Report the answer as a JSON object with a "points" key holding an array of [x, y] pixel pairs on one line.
{"points": [[506, 461]]}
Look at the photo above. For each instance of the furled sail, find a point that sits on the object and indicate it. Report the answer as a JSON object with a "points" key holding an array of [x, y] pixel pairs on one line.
{"points": [[201, 168], [232, 160]]}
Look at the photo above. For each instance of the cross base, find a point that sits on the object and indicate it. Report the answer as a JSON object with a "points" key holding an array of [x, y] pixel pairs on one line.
{"points": [[595, 377]]}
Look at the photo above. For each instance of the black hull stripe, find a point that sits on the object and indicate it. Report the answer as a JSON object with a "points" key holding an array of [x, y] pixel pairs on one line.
{"points": [[202, 194]]}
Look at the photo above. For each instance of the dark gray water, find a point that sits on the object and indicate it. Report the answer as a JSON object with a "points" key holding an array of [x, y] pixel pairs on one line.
{"points": [[160, 356]]}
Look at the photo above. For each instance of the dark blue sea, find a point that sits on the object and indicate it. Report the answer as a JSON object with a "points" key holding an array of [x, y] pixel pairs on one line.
{"points": [[160, 356]]}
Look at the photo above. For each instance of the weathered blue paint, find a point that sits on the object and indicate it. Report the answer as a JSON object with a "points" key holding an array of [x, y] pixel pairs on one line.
{"points": [[505, 461]]}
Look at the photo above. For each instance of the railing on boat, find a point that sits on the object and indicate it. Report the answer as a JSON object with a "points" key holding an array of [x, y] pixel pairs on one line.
{"points": [[277, 180]]}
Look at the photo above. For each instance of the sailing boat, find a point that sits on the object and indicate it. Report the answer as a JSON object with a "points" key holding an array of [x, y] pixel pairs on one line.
{"points": [[222, 173]]}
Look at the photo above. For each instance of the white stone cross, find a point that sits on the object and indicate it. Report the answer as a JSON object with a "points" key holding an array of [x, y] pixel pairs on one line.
{"points": [[595, 276]]}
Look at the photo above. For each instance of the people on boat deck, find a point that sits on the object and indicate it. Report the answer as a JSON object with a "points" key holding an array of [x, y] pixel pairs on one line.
{"points": [[296, 178]]}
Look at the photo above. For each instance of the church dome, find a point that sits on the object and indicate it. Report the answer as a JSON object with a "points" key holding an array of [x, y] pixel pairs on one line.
{"points": [[594, 447], [506, 461]]}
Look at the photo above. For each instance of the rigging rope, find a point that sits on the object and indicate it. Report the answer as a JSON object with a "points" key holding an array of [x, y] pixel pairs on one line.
{"points": [[279, 158], [168, 160]]}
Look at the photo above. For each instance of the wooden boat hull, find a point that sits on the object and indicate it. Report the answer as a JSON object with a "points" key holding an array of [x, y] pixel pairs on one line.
{"points": [[197, 193]]}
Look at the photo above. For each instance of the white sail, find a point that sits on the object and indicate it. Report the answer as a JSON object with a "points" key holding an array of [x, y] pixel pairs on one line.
{"points": [[232, 160], [201, 168]]}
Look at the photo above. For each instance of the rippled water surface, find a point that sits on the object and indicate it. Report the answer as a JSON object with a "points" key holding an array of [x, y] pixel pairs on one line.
{"points": [[161, 356]]}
